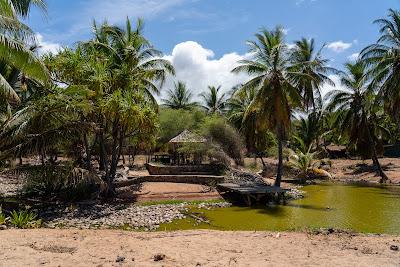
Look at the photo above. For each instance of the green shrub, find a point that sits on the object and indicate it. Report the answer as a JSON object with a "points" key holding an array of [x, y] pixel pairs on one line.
{"points": [[24, 219], [3, 217], [64, 182], [172, 122], [217, 130]]}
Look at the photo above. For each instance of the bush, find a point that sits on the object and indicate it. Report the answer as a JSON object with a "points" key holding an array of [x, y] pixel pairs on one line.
{"points": [[3, 218], [225, 137], [24, 219], [173, 121], [64, 182]]}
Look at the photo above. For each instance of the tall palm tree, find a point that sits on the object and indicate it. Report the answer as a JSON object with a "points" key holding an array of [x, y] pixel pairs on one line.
{"points": [[276, 84], [139, 64], [213, 102], [14, 51], [309, 61], [179, 97], [357, 115], [136, 71], [384, 58]]}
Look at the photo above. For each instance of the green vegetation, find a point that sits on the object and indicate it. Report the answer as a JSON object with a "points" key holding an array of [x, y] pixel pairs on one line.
{"points": [[20, 219], [282, 85], [214, 101], [3, 218], [179, 97], [83, 108], [24, 219]]}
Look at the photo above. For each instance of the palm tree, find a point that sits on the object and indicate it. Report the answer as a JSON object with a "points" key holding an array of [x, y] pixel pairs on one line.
{"points": [[384, 57], [213, 102], [356, 111], [13, 49], [238, 104], [309, 131], [277, 94], [126, 71], [139, 64], [309, 61], [179, 97]]}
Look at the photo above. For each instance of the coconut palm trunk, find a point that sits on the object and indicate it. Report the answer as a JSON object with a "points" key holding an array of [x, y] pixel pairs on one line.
{"points": [[280, 163], [374, 158]]}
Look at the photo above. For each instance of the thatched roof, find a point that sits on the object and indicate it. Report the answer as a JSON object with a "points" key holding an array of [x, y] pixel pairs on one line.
{"points": [[187, 137]]}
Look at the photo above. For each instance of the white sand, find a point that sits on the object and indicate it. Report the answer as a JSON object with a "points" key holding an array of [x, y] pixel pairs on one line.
{"points": [[45, 247]]}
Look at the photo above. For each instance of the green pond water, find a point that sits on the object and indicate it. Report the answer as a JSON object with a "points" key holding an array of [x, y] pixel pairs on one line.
{"points": [[352, 207]]}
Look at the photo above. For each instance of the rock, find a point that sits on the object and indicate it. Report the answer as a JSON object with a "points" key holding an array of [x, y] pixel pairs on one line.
{"points": [[120, 259], [158, 257], [394, 248]]}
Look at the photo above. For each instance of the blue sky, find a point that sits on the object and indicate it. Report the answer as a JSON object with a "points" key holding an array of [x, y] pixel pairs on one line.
{"points": [[217, 29]]}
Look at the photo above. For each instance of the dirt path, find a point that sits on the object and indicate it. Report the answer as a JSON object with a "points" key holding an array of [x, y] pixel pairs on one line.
{"points": [[45, 247]]}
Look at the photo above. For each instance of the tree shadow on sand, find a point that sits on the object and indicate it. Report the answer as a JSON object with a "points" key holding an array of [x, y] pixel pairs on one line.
{"points": [[369, 168]]}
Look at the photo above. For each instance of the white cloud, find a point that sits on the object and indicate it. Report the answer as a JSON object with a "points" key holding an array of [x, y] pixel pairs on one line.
{"points": [[300, 2], [353, 57], [117, 11], [197, 67], [47, 47], [339, 46]]}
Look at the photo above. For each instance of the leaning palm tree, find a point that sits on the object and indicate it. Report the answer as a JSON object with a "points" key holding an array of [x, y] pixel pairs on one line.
{"points": [[179, 97], [13, 49], [213, 102], [356, 112], [276, 84], [309, 61], [384, 58]]}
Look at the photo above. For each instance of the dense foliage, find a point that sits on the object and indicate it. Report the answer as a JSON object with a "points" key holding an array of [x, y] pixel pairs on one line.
{"points": [[94, 102]]}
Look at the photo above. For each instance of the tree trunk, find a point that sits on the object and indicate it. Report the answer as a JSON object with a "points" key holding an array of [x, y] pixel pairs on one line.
{"points": [[88, 159], [114, 156], [280, 164], [262, 161], [374, 157], [102, 153]]}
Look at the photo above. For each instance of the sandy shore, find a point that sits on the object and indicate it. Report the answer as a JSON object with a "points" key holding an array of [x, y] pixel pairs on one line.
{"points": [[45, 247]]}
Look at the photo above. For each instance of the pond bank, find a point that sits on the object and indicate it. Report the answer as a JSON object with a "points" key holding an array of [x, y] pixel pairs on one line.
{"points": [[56, 247]]}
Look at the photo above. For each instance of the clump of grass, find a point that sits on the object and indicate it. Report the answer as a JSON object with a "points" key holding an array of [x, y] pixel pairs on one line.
{"points": [[24, 219], [3, 217]]}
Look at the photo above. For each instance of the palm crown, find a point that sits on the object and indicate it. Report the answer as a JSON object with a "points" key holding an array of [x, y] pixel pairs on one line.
{"points": [[13, 49], [179, 97], [384, 58], [214, 103]]}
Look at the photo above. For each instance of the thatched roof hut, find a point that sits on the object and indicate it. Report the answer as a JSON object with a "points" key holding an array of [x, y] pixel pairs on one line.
{"points": [[187, 137], [184, 138]]}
